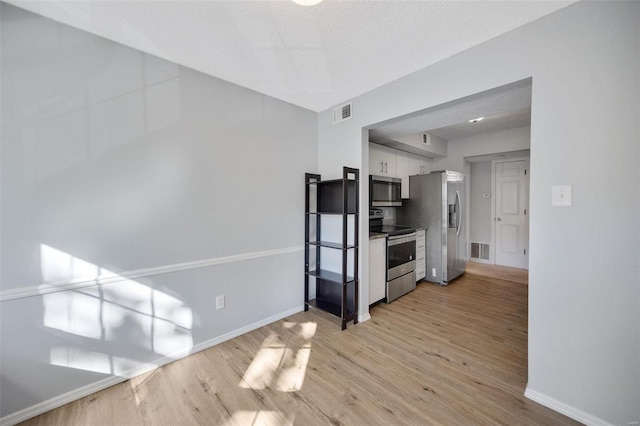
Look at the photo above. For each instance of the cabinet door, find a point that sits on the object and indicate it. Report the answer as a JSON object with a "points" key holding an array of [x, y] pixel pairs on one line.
{"points": [[402, 170], [425, 164], [421, 264], [414, 165], [377, 268], [389, 159], [418, 165], [376, 162]]}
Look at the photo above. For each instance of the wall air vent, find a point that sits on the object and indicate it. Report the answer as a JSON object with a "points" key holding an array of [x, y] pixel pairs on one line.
{"points": [[426, 139], [480, 251], [341, 113]]}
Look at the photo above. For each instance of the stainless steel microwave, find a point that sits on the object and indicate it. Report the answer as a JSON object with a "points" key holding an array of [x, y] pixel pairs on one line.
{"points": [[385, 191]]}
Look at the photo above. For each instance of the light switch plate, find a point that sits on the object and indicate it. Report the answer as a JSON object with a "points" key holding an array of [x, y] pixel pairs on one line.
{"points": [[561, 196]]}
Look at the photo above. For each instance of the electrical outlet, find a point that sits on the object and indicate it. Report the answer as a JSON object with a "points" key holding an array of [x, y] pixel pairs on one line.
{"points": [[433, 272], [219, 302]]}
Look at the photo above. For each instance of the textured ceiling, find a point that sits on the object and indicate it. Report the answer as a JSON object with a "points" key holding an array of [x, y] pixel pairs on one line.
{"points": [[504, 107], [489, 124], [315, 57]]}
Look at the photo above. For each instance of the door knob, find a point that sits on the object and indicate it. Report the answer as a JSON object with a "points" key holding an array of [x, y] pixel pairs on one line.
{"points": [[498, 219]]}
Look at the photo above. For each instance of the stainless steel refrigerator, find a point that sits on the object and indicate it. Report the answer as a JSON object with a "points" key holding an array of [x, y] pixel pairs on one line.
{"points": [[436, 202]]}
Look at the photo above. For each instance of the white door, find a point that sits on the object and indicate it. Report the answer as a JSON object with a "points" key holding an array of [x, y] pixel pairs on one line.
{"points": [[511, 230]]}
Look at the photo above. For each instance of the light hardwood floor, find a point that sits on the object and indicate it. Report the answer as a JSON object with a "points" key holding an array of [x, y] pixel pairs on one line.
{"points": [[454, 355], [499, 272]]}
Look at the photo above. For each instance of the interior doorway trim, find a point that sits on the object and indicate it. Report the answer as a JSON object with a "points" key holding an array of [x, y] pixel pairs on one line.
{"points": [[467, 209]]}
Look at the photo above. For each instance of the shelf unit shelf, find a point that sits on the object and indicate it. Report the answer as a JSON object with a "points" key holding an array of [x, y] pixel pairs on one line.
{"points": [[330, 276], [335, 292], [328, 244], [324, 213]]}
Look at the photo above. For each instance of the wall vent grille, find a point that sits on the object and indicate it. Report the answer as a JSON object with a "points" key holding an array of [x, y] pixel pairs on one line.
{"points": [[341, 113], [480, 251], [426, 139]]}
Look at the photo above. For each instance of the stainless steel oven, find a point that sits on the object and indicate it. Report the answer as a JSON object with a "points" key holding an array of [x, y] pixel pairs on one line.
{"points": [[401, 265]]}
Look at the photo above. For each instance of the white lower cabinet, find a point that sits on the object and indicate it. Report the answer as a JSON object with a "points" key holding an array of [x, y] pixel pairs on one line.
{"points": [[421, 264], [377, 269]]}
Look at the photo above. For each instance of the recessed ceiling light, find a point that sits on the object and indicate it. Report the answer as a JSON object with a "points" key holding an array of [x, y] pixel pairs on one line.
{"points": [[306, 2], [475, 120]]}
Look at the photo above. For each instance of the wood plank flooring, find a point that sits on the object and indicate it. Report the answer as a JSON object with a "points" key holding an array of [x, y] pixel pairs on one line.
{"points": [[454, 355], [499, 272]]}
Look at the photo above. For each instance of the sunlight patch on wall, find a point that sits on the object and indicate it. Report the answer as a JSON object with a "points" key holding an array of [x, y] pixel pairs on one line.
{"points": [[65, 356], [73, 312], [58, 266], [128, 313]]}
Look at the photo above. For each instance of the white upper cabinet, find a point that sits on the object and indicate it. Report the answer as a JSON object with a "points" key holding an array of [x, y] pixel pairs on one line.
{"points": [[385, 161], [418, 165], [390, 161], [382, 160], [403, 171], [376, 165]]}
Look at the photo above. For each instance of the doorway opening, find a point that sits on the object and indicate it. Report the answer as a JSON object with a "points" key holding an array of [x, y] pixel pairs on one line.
{"points": [[475, 135], [499, 209]]}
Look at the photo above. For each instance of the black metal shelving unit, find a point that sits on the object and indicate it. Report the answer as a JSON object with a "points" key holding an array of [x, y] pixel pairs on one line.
{"points": [[336, 293]]}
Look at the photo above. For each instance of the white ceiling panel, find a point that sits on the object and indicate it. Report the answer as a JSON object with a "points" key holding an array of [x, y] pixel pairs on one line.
{"points": [[315, 57]]}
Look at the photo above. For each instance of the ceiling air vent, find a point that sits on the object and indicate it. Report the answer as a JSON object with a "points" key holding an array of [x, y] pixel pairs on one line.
{"points": [[342, 113]]}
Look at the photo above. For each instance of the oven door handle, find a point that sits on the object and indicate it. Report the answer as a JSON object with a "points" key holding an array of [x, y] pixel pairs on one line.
{"points": [[401, 239]]}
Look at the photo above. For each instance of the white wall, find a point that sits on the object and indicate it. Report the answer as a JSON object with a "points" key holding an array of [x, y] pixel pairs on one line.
{"points": [[487, 143], [173, 186], [516, 139], [480, 216], [584, 297]]}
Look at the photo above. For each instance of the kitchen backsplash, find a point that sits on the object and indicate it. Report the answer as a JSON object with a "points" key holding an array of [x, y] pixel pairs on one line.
{"points": [[389, 217]]}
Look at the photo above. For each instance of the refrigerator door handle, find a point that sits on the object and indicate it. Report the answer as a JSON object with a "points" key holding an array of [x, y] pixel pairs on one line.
{"points": [[458, 212]]}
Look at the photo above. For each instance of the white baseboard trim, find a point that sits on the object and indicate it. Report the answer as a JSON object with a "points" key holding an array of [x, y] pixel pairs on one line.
{"points": [[111, 277], [484, 262], [565, 409], [364, 317], [60, 400]]}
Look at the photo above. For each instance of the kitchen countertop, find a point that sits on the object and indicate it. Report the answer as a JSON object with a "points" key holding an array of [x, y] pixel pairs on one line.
{"points": [[374, 235], [418, 228]]}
